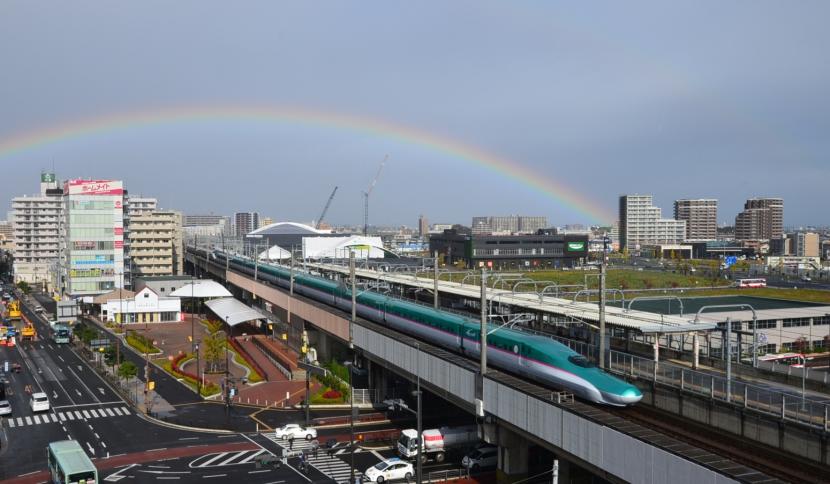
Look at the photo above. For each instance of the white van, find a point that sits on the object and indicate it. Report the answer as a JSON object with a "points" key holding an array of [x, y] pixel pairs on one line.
{"points": [[39, 402]]}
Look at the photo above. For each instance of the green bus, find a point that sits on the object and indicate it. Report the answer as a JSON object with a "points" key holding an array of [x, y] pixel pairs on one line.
{"points": [[69, 464]]}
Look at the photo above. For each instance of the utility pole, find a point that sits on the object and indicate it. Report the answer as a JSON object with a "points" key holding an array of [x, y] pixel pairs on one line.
{"points": [[602, 269], [728, 359], [483, 321], [354, 299], [420, 424], [435, 286]]}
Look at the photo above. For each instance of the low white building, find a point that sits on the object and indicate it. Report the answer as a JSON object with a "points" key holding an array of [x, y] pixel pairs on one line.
{"points": [[145, 307]]}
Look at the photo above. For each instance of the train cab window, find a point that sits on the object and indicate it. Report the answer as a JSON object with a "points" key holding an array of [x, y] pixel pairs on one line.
{"points": [[580, 360]]}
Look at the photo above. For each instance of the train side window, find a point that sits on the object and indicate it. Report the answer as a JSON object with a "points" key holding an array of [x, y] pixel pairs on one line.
{"points": [[580, 360]]}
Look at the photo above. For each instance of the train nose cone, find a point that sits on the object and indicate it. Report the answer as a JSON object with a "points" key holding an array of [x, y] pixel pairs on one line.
{"points": [[631, 396]]}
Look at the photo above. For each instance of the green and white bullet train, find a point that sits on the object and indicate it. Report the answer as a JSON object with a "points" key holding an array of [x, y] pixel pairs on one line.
{"points": [[539, 359]]}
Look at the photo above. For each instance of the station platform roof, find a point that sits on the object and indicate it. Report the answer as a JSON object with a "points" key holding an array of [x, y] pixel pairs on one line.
{"points": [[234, 312], [642, 321]]}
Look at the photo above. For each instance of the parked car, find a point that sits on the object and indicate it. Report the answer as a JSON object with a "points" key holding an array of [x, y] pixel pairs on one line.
{"points": [[5, 407], [296, 431], [481, 458], [39, 402], [390, 469]]}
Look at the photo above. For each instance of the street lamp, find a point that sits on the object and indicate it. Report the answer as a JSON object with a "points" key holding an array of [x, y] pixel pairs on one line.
{"points": [[349, 365]]}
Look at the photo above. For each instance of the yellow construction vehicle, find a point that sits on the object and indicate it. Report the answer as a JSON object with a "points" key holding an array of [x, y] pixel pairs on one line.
{"points": [[14, 310]]}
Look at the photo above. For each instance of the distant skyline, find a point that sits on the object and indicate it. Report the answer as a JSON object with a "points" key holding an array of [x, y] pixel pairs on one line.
{"points": [[485, 108]]}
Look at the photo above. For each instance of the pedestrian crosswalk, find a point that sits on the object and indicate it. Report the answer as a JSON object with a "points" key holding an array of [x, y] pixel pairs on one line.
{"points": [[66, 416], [324, 460]]}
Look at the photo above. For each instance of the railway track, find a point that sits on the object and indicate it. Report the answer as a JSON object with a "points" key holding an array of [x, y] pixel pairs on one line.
{"points": [[771, 461]]}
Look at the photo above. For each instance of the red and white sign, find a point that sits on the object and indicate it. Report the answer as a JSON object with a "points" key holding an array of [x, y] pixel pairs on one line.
{"points": [[94, 187], [119, 230], [119, 244]]}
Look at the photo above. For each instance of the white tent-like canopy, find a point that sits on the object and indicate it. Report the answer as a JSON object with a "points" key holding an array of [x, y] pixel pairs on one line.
{"points": [[202, 289], [234, 312], [274, 253], [340, 247]]}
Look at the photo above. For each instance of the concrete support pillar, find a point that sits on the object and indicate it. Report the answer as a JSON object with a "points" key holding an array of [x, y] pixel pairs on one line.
{"points": [[695, 350], [512, 465]]}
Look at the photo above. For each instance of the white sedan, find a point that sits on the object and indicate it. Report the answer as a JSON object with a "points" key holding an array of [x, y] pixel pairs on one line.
{"points": [[389, 470], [295, 431], [5, 407]]}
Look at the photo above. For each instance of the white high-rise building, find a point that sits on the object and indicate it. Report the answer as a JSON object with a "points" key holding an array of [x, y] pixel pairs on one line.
{"points": [[94, 256], [36, 227], [156, 243], [641, 223]]}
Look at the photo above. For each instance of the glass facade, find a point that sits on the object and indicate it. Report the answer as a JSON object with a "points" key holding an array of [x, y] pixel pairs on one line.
{"points": [[95, 236]]}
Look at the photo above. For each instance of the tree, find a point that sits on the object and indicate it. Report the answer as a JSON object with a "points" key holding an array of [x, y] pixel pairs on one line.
{"points": [[214, 351], [110, 354], [127, 370], [24, 286]]}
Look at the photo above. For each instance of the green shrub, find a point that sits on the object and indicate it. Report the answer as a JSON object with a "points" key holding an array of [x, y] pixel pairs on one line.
{"points": [[141, 343]]}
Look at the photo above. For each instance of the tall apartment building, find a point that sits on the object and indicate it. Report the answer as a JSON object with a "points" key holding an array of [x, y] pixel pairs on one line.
{"points": [[93, 259], [133, 207], [701, 216], [200, 220], [36, 231], [156, 244], [423, 226], [265, 221], [245, 223], [762, 219], [806, 244], [6, 229], [641, 223], [511, 224]]}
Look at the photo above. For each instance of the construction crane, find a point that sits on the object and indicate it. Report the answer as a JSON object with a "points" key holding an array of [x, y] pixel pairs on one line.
{"points": [[369, 192], [325, 209]]}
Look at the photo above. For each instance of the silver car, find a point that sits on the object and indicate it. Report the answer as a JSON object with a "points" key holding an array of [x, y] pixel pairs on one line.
{"points": [[5, 407]]}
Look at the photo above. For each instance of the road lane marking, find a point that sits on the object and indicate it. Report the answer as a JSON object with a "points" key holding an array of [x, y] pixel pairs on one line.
{"points": [[126, 412], [250, 457], [157, 450], [53, 417], [62, 416], [189, 438], [233, 457], [91, 450], [61, 358], [69, 414], [37, 420], [214, 475], [78, 414], [117, 411], [109, 412], [94, 413], [19, 421], [206, 464], [259, 472], [11, 423], [86, 414], [104, 445], [28, 421]]}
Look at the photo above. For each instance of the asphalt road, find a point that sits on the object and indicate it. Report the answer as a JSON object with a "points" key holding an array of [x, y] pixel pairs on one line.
{"points": [[83, 408]]}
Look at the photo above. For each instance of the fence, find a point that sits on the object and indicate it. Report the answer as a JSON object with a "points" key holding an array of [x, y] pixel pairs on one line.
{"points": [[782, 405], [364, 396]]}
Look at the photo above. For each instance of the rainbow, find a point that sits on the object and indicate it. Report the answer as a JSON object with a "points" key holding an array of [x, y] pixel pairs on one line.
{"points": [[554, 189]]}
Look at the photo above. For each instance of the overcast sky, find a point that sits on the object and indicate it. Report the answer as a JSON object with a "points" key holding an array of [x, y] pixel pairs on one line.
{"points": [[680, 99]]}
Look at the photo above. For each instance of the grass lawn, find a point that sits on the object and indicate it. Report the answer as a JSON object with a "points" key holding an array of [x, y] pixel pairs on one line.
{"points": [[631, 280]]}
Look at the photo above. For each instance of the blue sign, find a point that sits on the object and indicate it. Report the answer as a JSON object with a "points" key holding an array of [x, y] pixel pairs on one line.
{"points": [[731, 260]]}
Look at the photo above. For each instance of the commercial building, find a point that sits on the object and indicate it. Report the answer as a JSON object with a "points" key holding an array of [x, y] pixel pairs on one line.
{"points": [[423, 226], [509, 251], [37, 224], [511, 224], [701, 216], [163, 285], [245, 223], [287, 235], [203, 220], [806, 244], [156, 244], [641, 223], [264, 221], [94, 254], [761, 219], [145, 307]]}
